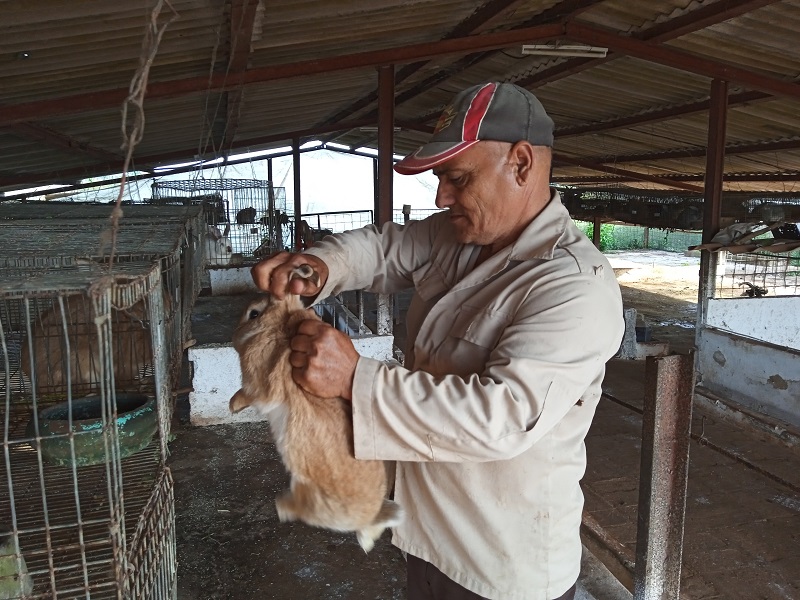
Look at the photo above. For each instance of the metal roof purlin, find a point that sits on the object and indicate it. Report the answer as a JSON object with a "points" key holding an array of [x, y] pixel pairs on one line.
{"points": [[560, 158], [681, 60], [78, 103]]}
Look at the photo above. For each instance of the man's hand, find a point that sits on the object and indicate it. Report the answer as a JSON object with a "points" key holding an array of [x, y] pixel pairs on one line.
{"points": [[272, 275], [323, 360]]}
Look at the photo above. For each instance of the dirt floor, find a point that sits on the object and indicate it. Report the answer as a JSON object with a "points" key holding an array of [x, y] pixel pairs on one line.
{"points": [[662, 287], [230, 544]]}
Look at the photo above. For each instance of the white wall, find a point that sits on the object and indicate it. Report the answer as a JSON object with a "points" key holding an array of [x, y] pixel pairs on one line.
{"points": [[772, 320]]}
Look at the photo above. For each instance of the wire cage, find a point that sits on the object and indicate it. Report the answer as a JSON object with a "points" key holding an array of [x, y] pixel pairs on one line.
{"points": [[48, 244], [757, 274], [47, 234], [253, 212], [86, 508]]}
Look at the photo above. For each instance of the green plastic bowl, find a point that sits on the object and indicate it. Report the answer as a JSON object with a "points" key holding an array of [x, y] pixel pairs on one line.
{"points": [[137, 423]]}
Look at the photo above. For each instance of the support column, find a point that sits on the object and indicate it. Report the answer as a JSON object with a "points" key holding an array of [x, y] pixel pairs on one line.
{"points": [[385, 203], [383, 209], [663, 476], [298, 234], [712, 197], [597, 223]]}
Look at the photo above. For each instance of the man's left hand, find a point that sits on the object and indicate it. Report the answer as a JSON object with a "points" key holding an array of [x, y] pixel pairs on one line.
{"points": [[323, 360]]}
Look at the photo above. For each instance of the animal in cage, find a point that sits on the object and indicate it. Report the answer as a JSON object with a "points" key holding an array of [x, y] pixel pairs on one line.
{"points": [[753, 291], [246, 215], [310, 235], [218, 248], [329, 487], [68, 352], [274, 240]]}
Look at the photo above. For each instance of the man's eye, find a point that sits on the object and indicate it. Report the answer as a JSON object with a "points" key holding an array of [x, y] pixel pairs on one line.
{"points": [[459, 181]]}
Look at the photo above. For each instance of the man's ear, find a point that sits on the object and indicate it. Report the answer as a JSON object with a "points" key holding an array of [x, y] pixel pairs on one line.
{"points": [[523, 159]]}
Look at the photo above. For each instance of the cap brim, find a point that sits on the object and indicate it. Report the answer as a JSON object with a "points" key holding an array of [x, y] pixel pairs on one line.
{"points": [[430, 155]]}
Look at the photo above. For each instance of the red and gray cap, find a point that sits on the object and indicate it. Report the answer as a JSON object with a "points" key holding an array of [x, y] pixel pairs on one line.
{"points": [[502, 112]]}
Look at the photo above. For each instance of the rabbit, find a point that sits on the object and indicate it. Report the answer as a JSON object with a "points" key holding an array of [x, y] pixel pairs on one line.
{"points": [[246, 215], [329, 488], [218, 246], [130, 339]]}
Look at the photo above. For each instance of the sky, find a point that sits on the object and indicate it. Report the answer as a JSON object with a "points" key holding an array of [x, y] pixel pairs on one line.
{"points": [[329, 181]]}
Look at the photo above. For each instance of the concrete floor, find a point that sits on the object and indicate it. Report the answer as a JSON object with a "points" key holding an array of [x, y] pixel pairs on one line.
{"points": [[742, 538]]}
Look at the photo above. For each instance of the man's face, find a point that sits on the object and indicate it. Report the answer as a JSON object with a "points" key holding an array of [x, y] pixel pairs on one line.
{"points": [[479, 190]]}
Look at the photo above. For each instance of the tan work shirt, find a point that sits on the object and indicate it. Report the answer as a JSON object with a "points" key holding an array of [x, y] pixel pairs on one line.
{"points": [[503, 372]]}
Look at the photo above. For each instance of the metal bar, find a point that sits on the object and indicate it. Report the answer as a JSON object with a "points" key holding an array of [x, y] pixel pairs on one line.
{"points": [[616, 557], [654, 116], [699, 151], [220, 81], [383, 208], [679, 59], [663, 476], [712, 202], [298, 232], [466, 27], [561, 159]]}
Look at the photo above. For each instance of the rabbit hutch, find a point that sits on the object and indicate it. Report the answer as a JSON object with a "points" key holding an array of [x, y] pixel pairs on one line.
{"points": [[92, 344], [251, 213]]}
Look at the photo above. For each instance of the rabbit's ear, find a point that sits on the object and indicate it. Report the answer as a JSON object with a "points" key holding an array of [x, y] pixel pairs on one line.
{"points": [[227, 230], [239, 402]]}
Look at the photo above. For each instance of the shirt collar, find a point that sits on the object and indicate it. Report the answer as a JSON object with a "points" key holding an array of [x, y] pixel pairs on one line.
{"points": [[540, 238]]}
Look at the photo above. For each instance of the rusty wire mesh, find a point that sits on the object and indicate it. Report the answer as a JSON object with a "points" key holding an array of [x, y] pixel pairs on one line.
{"points": [[77, 477], [757, 275]]}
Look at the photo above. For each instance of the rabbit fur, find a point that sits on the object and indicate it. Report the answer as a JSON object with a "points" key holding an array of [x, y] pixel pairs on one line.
{"points": [[218, 247], [329, 488], [131, 347]]}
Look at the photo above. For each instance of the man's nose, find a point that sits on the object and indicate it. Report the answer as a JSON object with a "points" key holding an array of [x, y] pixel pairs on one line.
{"points": [[443, 197]]}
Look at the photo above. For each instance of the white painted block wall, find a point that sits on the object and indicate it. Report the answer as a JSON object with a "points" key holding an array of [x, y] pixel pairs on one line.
{"points": [[217, 376]]}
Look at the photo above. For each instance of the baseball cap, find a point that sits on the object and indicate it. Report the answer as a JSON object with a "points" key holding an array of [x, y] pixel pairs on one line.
{"points": [[502, 112]]}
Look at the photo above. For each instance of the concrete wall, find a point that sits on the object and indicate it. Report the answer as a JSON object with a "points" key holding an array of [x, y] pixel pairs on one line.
{"points": [[772, 320], [217, 376], [760, 376]]}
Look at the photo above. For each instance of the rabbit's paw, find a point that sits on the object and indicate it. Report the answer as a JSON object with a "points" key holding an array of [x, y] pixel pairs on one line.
{"points": [[284, 504]]}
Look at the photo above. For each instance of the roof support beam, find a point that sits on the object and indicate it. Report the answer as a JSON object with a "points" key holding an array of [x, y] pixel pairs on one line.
{"points": [[566, 9], [466, 27], [243, 21], [79, 103], [694, 20], [560, 159], [59, 140], [144, 162], [730, 178], [678, 59], [700, 151], [654, 116]]}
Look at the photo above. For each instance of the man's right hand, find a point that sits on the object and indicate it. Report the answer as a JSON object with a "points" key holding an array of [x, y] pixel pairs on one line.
{"points": [[272, 274]]}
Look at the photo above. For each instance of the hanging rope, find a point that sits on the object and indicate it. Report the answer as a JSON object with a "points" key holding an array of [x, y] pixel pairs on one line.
{"points": [[132, 132]]}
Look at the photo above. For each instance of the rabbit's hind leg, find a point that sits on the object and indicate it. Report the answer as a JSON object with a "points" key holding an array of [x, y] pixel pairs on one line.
{"points": [[390, 515], [301, 502], [285, 506]]}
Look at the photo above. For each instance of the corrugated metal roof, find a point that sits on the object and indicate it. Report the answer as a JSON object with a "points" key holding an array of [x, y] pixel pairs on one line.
{"points": [[52, 51]]}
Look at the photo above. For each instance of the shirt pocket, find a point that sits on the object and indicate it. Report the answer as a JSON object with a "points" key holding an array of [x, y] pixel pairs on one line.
{"points": [[471, 339], [480, 326], [430, 281]]}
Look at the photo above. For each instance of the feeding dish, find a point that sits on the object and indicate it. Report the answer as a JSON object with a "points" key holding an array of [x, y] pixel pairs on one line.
{"points": [[137, 422]]}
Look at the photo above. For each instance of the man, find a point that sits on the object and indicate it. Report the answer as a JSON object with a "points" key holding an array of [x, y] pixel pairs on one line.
{"points": [[514, 316]]}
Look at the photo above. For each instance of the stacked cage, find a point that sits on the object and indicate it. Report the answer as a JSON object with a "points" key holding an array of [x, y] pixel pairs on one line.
{"points": [[250, 215], [92, 344], [86, 508], [48, 236]]}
